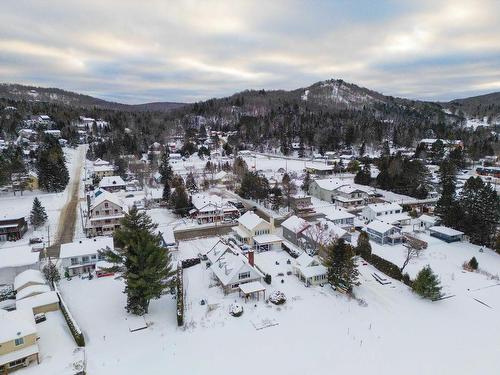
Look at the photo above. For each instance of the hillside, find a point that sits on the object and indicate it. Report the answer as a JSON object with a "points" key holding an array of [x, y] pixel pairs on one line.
{"points": [[57, 96], [480, 107]]}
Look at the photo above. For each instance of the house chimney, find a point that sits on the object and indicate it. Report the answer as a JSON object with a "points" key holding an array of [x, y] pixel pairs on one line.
{"points": [[271, 221], [250, 255]]}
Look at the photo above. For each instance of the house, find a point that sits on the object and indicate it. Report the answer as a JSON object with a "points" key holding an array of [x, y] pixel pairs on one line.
{"points": [[375, 210], [256, 232], [100, 162], [15, 260], [12, 229], [301, 204], [383, 233], [447, 143], [104, 214], [320, 169], [232, 269], [293, 227], [398, 220], [220, 177], [341, 218], [101, 171], [39, 303], [18, 340], [321, 234], [324, 189], [81, 256], [351, 196], [309, 270], [426, 221], [446, 234], [54, 133], [211, 209], [28, 278], [112, 184]]}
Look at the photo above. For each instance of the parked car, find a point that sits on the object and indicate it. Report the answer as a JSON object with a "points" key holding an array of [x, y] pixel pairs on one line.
{"points": [[35, 240]]}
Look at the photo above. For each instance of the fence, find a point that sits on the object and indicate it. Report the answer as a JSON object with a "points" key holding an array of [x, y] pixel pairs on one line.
{"points": [[72, 325]]}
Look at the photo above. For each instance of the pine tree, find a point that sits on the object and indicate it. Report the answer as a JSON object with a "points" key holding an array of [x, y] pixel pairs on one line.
{"points": [[166, 192], [51, 272], [288, 188], [364, 177], [306, 183], [165, 168], [53, 175], [447, 208], [276, 198], [426, 284], [38, 216], [362, 149], [339, 259], [191, 185], [140, 260], [179, 201], [363, 247], [473, 264], [480, 207]]}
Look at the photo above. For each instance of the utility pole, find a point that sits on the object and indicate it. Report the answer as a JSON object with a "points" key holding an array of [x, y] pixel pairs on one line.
{"points": [[48, 235]]}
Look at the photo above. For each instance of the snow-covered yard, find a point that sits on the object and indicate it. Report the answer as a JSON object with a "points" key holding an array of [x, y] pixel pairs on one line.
{"points": [[316, 329]]}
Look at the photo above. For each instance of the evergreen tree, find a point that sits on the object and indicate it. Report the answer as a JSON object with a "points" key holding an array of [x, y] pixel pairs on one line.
{"points": [[473, 264], [240, 168], [426, 284], [363, 247], [179, 201], [480, 207], [447, 207], [276, 198], [339, 259], [364, 177], [51, 272], [288, 188], [166, 192], [191, 185], [497, 243], [165, 168], [306, 183], [53, 175], [38, 216], [362, 149], [140, 260]]}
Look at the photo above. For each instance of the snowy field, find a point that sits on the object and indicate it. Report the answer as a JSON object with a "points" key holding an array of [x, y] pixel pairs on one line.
{"points": [[316, 330]]}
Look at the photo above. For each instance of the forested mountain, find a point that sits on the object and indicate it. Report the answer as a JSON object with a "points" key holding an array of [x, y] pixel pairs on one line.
{"points": [[478, 106], [327, 115], [58, 96]]}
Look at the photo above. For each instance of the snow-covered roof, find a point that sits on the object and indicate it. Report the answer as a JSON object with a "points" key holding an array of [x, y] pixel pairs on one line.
{"points": [[446, 231], [379, 226], [107, 196], [100, 161], [18, 257], [85, 247], [103, 168], [230, 265], [216, 251], [331, 184], [394, 218], [320, 167], [250, 220], [32, 289], [339, 215], [202, 200], [304, 260], [312, 271], [295, 224], [267, 238], [17, 323], [111, 181], [427, 219], [38, 300], [252, 287], [220, 175], [383, 207], [28, 276]]}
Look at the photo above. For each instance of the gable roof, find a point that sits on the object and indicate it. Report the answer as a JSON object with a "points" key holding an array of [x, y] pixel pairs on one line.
{"points": [[32, 290], [379, 226], [111, 181], [17, 323], [230, 264], [44, 299], [28, 276], [382, 207], [331, 184], [18, 257], [295, 224], [107, 196], [339, 215], [250, 220], [85, 247]]}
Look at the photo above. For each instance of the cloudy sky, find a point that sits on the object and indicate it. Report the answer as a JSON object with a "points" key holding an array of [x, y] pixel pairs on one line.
{"points": [[159, 50]]}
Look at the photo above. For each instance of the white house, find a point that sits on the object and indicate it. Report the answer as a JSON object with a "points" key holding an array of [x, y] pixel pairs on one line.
{"points": [[112, 183], [100, 162], [232, 269], [426, 221], [104, 214], [256, 232], [211, 209], [375, 210], [101, 171], [310, 270], [383, 233], [341, 218], [293, 227], [81, 256]]}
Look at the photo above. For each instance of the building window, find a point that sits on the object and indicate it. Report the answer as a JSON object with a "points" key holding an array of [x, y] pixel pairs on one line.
{"points": [[74, 261], [106, 205], [244, 275], [85, 259], [19, 341]]}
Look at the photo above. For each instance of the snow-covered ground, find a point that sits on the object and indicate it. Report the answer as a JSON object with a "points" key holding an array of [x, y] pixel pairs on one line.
{"points": [[20, 205], [317, 329]]}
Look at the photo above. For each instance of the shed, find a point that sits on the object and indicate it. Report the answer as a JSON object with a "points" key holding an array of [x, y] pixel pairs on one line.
{"points": [[446, 234], [40, 303]]}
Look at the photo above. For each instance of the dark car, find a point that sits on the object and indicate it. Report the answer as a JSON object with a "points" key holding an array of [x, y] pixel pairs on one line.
{"points": [[35, 240]]}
